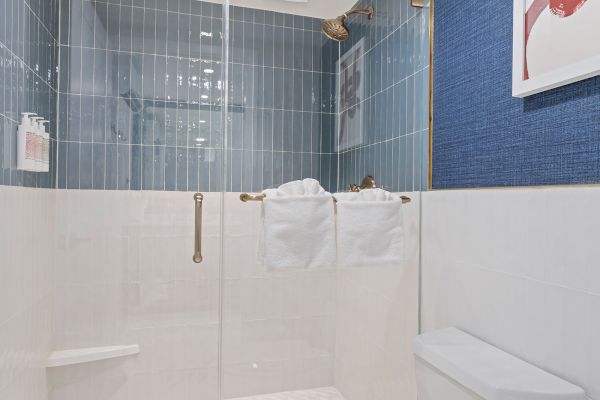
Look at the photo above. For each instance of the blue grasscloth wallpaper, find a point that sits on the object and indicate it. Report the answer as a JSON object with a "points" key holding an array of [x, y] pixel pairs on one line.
{"points": [[482, 136]]}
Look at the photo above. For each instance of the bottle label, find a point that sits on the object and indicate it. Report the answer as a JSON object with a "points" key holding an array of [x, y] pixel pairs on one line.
{"points": [[30, 146], [46, 151]]}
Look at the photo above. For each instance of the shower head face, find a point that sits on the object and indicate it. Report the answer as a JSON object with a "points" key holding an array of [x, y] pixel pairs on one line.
{"points": [[335, 29]]}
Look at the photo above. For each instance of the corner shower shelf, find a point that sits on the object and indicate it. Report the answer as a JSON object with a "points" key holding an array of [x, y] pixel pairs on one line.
{"points": [[88, 354]]}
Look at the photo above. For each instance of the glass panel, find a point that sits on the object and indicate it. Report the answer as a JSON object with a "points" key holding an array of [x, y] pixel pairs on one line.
{"points": [[303, 106], [141, 110], [278, 326], [383, 132]]}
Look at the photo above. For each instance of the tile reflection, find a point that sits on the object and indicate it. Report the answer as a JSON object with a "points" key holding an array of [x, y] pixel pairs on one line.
{"points": [[144, 83]]}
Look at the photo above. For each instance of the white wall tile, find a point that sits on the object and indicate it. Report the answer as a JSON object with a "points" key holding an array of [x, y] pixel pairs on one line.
{"points": [[26, 246], [518, 269], [278, 333], [376, 321], [124, 274]]}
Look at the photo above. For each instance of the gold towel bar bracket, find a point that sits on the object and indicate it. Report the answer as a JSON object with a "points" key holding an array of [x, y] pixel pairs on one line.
{"points": [[245, 197]]}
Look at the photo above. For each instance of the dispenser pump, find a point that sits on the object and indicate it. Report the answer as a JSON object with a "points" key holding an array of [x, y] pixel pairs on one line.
{"points": [[26, 118]]}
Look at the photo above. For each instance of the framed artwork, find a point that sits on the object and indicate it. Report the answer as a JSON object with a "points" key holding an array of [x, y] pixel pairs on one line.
{"points": [[555, 42], [350, 89]]}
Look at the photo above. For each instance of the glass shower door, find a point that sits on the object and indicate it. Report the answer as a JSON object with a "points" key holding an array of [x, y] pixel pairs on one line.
{"points": [[278, 326], [303, 106], [141, 106]]}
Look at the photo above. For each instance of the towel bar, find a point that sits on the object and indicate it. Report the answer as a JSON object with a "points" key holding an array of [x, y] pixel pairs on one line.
{"points": [[246, 197]]}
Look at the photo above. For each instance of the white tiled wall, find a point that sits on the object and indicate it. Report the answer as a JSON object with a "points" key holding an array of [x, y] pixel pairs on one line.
{"points": [[26, 251], [124, 275], [279, 327], [520, 269], [377, 320]]}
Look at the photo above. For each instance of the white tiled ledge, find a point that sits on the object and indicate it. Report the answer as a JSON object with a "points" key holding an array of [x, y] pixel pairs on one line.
{"points": [[88, 354]]}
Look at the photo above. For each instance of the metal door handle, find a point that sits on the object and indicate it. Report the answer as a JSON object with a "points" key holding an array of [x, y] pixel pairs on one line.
{"points": [[198, 199]]}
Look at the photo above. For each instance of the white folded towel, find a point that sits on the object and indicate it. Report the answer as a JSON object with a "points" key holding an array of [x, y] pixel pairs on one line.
{"points": [[298, 226], [370, 228]]}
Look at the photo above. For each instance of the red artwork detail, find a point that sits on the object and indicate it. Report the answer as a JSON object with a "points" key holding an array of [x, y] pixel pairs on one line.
{"points": [[565, 8], [560, 8]]}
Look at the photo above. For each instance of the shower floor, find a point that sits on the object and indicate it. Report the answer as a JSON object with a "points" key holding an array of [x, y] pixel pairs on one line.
{"points": [[313, 394]]}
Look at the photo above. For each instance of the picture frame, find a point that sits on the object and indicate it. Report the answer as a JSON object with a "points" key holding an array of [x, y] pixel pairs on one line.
{"points": [[546, 53], [350, 90]]}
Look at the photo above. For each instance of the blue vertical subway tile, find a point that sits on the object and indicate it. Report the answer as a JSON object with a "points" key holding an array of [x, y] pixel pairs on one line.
{"points": [[424, 160], [159, 168], [123, 166], [277, 169], [395, 106], [112, 164], [136, 167], [257, 181], [307, 167], [395, 165], [182, 160], [192, 169], [278, 130], [204, 170], [86, 119], [248, 128], [296, 166], [257, 139], [247, 166], [73, 165], [98, 165], [296, 131], [267, 164], [402, 159], [170, 168], [74, 118], [288, 89], [410, 50], [267, 130], [170, 124], [288, 166], [269, 88], [407, 159], [234, 173], [147, 167], [410, 110], [98, 120], [417, 169], [298, 90], [62, 166], [306, 132], [86, 166]]}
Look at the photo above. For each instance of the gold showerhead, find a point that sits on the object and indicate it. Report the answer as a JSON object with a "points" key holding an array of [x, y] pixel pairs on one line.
{"points": [[335, 29]]}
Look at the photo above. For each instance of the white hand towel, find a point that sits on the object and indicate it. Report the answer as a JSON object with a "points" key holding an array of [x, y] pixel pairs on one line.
{"points": [[298, 226], [370, 228]]}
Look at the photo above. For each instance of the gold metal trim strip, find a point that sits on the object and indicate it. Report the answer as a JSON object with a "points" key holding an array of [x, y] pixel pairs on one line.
{"points": [[431, 33]]}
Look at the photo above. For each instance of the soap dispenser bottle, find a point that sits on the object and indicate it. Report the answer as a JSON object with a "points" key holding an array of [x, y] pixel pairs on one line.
{"points": [[26, 143], [45, 147]]}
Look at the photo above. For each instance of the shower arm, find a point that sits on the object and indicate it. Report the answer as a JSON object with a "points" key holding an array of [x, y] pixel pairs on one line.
{"points": [[364, 11]]}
